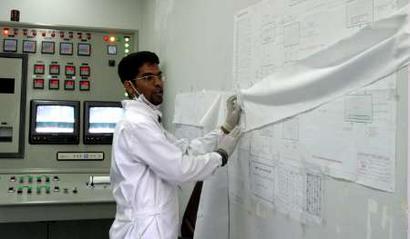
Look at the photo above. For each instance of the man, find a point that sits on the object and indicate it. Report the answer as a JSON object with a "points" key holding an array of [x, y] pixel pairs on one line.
{"points": [[148, 163]]}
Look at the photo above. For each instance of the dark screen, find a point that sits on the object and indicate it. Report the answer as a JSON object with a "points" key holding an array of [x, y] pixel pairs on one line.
{"points": [[6, 86]]}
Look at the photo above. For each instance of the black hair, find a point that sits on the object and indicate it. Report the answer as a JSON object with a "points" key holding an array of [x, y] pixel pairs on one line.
{"points": [[130, 64]]}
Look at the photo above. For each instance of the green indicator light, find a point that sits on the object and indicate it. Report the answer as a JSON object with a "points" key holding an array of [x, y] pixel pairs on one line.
{"points": [[126, 51], [126, 45]]}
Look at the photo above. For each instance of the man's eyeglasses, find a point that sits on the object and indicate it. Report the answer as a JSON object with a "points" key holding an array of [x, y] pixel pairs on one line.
{"points": [[151, 78]]}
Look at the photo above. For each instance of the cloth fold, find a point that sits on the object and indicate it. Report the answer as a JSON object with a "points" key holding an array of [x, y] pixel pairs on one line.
{"points": [[371, 54]]}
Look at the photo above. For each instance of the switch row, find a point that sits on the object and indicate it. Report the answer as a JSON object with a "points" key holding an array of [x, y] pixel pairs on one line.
{"points": [[30, 179]]}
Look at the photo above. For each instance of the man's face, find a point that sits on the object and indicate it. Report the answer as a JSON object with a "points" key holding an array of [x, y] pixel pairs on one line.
{"points": [[149, 83]]}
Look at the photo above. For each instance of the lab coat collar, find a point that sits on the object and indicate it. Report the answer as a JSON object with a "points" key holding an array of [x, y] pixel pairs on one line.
{"points": [[152, 110]]}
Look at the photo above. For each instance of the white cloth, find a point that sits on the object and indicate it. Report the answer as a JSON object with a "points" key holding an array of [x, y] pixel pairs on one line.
{"points": [[373, 53], [147, 165]]}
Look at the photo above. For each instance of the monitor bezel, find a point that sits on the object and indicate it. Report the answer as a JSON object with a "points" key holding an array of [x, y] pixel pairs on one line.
{"points": [[54, 138], [96, 138]]}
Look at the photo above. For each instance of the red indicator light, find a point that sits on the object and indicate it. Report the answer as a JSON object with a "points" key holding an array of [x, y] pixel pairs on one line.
{"points": [[38, 83], [54, 84], [84, 71], [6, 31], [54, 69], [53, 34], [105, 38], [39, 69], [43, 34], [34, 33], [69, 85], [69, 70], [89, 36], [70, 34], [84, 85], [62, 34]]}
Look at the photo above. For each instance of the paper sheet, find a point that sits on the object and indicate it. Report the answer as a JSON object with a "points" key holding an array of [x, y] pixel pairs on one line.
{"points": [[317, 82], [364, 55], [196, 114]]}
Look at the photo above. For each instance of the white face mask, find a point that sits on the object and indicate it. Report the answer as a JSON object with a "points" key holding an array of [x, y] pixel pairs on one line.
{"points": [[140, 97]]}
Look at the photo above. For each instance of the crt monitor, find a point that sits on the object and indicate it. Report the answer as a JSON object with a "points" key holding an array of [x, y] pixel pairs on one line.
{"points": [[54, 122], [100, 119]]}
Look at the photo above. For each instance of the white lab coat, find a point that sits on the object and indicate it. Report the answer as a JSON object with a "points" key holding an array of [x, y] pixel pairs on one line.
{"points": [[147, 165]]}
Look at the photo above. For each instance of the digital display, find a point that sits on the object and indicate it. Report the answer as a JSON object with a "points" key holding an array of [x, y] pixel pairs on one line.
{"points": [[66, 48], [69, 70], [54, 69], [104, 119], [112, 50], [47, 47], [85, 71], [54, 119], [39, 69], [29, 46], [84, 49], [9, 45]]}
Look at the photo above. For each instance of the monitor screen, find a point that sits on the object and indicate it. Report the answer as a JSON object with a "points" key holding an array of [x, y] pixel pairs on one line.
{"points": [[103, 119], [100, 119], [55, 119], [54, 122]]}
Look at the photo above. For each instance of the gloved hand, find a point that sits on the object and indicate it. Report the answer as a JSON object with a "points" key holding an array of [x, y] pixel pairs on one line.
{"points": [[233, 114], [227, 145]]}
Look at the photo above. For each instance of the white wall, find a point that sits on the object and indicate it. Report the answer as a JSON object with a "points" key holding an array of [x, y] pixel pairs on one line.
{"points": [[123, 14], [194, 41]]}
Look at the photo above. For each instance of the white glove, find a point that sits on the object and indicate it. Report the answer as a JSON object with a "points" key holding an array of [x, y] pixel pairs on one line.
{"points": [[233, 114], [228, 143]]}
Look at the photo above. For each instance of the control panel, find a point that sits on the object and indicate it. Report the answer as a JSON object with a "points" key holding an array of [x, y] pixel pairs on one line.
{"points": [[64, 59], [33, 189], [60, 100]]}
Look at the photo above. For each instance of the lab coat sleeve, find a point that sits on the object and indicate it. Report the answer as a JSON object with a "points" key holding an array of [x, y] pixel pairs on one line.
{"points": [[148, 144], [205, 143], [201, 145]]}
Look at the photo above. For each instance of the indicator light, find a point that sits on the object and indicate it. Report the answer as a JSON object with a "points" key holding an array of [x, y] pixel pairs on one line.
{"points": [[126, 45], [6, 31], [105, 38], [112, 38], [126, 50], [126, 39]]}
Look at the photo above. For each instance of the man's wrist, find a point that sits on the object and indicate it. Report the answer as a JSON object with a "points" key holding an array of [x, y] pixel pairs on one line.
{"points": [[224, 130], [224, 156]]}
